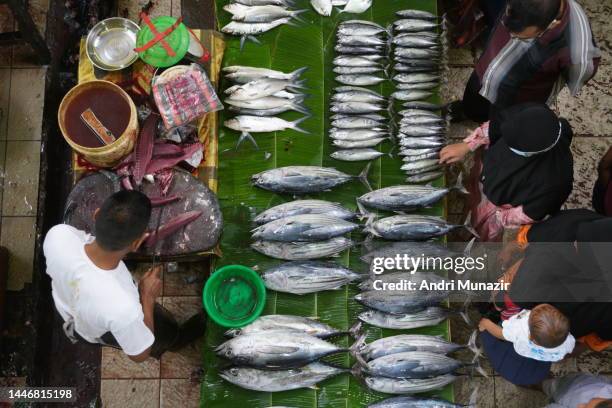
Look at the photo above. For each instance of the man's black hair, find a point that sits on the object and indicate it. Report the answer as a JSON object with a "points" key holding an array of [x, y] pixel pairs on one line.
{"points": [[122, 219], [526, 13]]}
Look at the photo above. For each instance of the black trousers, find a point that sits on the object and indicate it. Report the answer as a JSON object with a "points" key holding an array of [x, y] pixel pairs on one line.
{"points": [[475, 106]]}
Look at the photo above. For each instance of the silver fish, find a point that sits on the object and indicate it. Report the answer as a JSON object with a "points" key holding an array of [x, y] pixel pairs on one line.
{"points": [[361, 40], [306, 325], [419, 402], [413, 364], [357, 6], [358, 70], [416, 78], [249, 29], [280, 380], [418, 14], [304, 227], [408, 386], [283, 3], [308, 277], [355, 61], [357, 95], [418, 131], [358, 144], [259, 14], [360, 50], [359, 80], [424, 86], [360, 29], [425, 177], [423, 156], [323, 7], [355, 122], [405, 197], [423, 105], [297, 106], [418, 152], [400, 302], [408, 68], [417, 53], [257, 124], [415, 25], [289, 95], [409, 96], [421, 166], [300, 207], [304, 179], [416, 41], [352, 155], [357, 134], [266, 102], [403, 343], [371, 116], [278, 349], [423, 120], [431, 316], [302, 251], [419, 112], [410, 227], [262, 87], [421, 142], [243, 74], [356, 107]]}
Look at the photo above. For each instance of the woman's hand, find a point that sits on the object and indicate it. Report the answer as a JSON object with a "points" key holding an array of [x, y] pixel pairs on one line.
{"points": [[454, 153]]}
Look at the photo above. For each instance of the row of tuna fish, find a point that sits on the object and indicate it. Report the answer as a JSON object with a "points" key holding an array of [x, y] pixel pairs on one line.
{"points": [[418, 57], [282, 352], [258, 94], [359, 123], [253, 17]]}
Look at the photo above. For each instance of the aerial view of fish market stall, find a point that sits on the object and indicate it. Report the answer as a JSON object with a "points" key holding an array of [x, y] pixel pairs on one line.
{"points": [[227, 189]]}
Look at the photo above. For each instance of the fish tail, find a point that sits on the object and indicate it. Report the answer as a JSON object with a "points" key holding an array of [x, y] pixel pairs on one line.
{"points": [[297, 85], [294, 125], [298, 72], [292, 24], [296, 15], [459, 185], [356, 348], [300, 107], [242, 42], [357, 371], [468, 248], [391, 153], [363, 176], [471, 344], [246, 136], [469, 228]]}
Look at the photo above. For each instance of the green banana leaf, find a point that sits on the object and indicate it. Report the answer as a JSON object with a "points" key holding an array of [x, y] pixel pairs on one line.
{"points": [[288, 48]]}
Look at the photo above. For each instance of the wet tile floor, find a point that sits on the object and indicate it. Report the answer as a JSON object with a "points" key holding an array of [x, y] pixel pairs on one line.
{"points": [[174, 381]]}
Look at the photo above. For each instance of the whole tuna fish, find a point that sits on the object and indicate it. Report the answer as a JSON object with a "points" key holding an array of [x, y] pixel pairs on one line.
{"points": [[372, 116], [428, 317], [415, 25], [306, 325], [422, 131], [361, 50], [323, 7], [360, 28], [418, 14], [412, 364], [421, 166], [408, 386], [423, 120], [418, 402], [403, 343], [417, 41], [406, 197], [409, 96], [358, 144], [421, 142], [301, 251], [355, 122], [414, 158], [304, 227], [356, 94], [356, 107], [307, 277], [411, 227], [280, 380], [423, 86], [283, 3], [417, 53], [352, 155], [300, 207], [425, 177], [276, 349], [304, 179], [357, 61], [357, 134], [416, 78], [400, 302], [359, 80]]}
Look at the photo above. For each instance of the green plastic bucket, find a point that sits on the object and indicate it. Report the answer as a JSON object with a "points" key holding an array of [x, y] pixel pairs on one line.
{"points": [[157, 55], [234, 296]]}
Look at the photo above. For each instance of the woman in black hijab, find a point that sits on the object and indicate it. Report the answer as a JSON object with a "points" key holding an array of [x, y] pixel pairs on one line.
{"points": [[523, 169]]}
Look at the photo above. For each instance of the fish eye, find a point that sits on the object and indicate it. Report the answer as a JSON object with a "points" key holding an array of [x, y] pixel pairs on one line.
{"points": [[228, 352], [233, 371]]}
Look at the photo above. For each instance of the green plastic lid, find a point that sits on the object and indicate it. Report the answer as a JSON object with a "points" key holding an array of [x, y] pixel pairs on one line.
{"points": [[157, 55], [234, 296]]}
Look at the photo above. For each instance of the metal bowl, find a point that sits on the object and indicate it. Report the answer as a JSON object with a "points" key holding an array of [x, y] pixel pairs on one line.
{"points": [[110, 44]]}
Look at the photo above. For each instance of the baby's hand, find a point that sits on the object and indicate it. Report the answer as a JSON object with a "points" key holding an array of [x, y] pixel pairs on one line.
{"points": [[484, 322]]}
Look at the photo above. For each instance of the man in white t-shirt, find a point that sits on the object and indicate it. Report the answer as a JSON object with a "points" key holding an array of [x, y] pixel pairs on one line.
{"points": [[95, 293]]}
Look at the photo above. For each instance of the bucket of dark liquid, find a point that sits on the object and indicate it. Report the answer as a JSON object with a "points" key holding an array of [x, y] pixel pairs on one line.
{"points": [[99, 121]]}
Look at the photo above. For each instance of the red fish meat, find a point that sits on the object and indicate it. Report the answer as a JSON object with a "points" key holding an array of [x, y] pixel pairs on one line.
{"points": [[144, 148], [172, 226]]}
